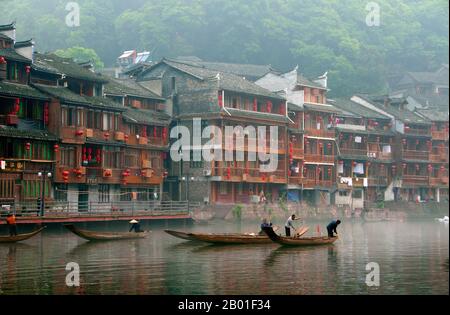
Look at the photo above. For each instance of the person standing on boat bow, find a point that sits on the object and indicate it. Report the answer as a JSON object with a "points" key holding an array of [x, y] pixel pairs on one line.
{"points": [[12, 225], [264, 224], [289, 224], [331, 227], [135, 226]]}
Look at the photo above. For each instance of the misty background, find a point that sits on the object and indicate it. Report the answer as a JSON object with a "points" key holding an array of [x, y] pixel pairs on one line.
{"points": [[318, 35]]}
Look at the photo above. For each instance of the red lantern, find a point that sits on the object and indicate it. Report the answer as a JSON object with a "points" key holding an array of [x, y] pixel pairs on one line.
{"points": [[2, 60], [320, 145], [144, 131], [165, 174], [79, 133], [228, 173], [106, 135], [263, 176], [430, 168], [27, 69], [269, 106], [255, 104], [354, 163], [27, 146], [46, 113], [16, 106], [56, 148], [417, 167], [282, 109], [442, 168], [164, 134], [220, 99], [126, 137]]}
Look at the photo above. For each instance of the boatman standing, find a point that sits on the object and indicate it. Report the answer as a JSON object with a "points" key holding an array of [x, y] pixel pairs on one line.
{"points": [[12, 225], [331, 227], [289, 224]]}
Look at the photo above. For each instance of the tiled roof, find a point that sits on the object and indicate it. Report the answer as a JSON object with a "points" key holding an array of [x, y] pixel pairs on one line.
{"points": [[228, 81], [434, 114], [255, 115], [301, 80], [130, 87], [404, 115], [357, 109], [248, 71], [11, 54], [26, 134], [21, 90], [57, 65], [65, 95], [322, 108], [144, 116]]}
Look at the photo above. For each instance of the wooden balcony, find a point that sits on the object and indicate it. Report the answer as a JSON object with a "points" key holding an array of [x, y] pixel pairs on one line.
{"points": [[439, 158], [378, 181], [119, 136], [318, 158], [249, 175], [415, 180], [439, 135], [417, 132], [73, 135], [415, 155], [156, 141], [295, 180], [254, 148], [77, 175], [354, 152], [312, 183], [322, 133], [438, 181], [298, 153]]}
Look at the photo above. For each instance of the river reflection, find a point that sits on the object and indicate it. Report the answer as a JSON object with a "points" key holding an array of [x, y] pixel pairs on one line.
{"points": [[413, 258]]}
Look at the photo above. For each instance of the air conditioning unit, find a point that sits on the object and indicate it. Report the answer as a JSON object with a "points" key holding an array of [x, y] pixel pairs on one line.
{"points": [[207, 172]]}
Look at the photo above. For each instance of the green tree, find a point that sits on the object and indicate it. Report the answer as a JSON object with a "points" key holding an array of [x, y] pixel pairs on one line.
{"points": [[81, 54]]}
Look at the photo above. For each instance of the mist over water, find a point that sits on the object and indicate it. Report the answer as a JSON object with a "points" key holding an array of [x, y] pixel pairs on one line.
{"points": [[413, 259]]}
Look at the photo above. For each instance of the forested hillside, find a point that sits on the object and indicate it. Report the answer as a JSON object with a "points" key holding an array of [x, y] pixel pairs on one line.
{"points": [[319, 35]]}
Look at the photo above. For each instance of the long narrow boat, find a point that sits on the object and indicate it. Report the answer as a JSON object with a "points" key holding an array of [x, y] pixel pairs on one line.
{"points": [[294, 241], [105, 236], [20, 237], [227, 238]]}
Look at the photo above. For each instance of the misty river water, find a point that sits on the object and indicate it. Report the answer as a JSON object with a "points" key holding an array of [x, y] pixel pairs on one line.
{"points": [[412, 255]]}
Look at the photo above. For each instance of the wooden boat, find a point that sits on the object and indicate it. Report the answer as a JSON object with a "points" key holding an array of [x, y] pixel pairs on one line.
{"points": [[182, 235], [105, 236], [296, 241], [227, 238], [20, 237]]}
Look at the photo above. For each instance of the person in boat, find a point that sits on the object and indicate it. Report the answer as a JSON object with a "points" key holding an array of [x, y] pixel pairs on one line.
{"points": [[264, 224], [136, 226], [12, 225], [332, 226], [289, 224]]}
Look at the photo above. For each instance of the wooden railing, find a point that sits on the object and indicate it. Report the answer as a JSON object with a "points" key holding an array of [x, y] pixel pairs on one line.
{"points": [[415, 155], [325, 133], [418, 132], [353, 152], [238, 174], [439, 157], [439, 135], [377, 181], [253, 148], [319, 158], [311, 183], [415, 180], [438, 181], [298, 153]]}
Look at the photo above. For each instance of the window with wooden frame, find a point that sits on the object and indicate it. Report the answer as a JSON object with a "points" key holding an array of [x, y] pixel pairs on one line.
{"points": [[80, 117], [98, 120], [7, 188], [112, 157], [131, 158], [223, 188], [68, 156], [103, 193], [61, 192], [90, 119], [155, 158]]}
